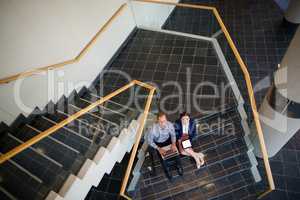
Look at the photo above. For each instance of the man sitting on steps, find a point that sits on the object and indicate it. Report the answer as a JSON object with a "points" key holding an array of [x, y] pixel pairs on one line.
{"points": [[161, 137]]}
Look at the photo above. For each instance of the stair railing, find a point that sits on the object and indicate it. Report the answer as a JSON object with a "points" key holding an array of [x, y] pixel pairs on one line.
{"points": [[78, 58], [249, 90], [53, 129]]}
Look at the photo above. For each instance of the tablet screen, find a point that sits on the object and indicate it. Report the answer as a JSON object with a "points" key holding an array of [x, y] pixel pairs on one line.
{"points": [[186, 144]]}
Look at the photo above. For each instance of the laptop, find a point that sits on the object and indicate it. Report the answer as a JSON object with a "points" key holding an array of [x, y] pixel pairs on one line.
{"points": [[169, 152]]}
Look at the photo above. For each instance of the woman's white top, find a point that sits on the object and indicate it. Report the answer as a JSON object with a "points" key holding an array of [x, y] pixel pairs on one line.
{"points": [[185, 128]]}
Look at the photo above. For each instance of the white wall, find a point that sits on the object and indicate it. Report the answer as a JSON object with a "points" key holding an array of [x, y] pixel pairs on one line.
{"points": [[151, 15], [36, 33]]}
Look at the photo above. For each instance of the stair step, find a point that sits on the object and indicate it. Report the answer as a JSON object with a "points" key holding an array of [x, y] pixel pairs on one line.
{"points": [[97, 195], [203, 179], [214, 160], [240, 190], [51, 147], [96, 136], [110, 185], [112, 109], [214, 138], [88, 147], [35, 162], [112, 117], [96, 121], [94, 194], [17, 181], [6, 195], [74, 141], [218, 122], [112, 105], [218, 111], [107, 113], [50, 118], [81, 127], [116, 103], [210, 143]]}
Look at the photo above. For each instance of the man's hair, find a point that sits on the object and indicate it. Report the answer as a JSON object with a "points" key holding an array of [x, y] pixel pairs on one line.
{"points": [[160, 114]]}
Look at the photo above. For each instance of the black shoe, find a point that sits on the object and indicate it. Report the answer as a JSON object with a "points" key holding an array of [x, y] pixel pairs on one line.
{"points": [[169, 176], [179, 171], [152, 171]]}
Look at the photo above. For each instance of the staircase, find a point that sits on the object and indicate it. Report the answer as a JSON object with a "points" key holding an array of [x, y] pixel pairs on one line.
{"points": [[229, 173], [110, 185], [75, 157]]}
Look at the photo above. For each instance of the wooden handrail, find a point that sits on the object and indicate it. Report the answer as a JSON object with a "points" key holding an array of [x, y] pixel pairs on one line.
{"points": [[252, 99], [248, 84], [137, 142], [42, 135], [67, 62], [265, 193]]}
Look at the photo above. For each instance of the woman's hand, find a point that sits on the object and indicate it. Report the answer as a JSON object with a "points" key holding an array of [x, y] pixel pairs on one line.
{"points": [[185, 137]]}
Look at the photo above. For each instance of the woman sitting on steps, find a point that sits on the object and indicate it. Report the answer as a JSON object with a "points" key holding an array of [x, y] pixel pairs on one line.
{"points": [[185, 129]]}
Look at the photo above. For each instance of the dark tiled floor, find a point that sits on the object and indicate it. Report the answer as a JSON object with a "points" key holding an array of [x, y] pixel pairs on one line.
{"points": [[262, 38], [255, 26], [189, 20], [257, 29], [285, 166], [175, 64]]}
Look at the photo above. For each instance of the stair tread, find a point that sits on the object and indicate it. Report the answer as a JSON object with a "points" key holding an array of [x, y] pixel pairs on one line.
{"points": [[112, 105], [49, 146], [78, 126], [120, 100], [20, 184], [94, 137], [102, 111], [91, 121], [238, 191], [73, 140], [232, 158], [110, 110], [204, 181], [36, 163], [5, 195], [96, 121], [214, 142], [110, 184]]}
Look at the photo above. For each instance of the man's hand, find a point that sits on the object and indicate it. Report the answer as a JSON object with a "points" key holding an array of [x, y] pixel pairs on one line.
{"points": [[173, 147], [162, 151]]}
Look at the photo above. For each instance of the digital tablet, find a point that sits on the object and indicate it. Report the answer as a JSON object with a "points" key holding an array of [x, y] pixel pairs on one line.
{"points": [[186, 144]]}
